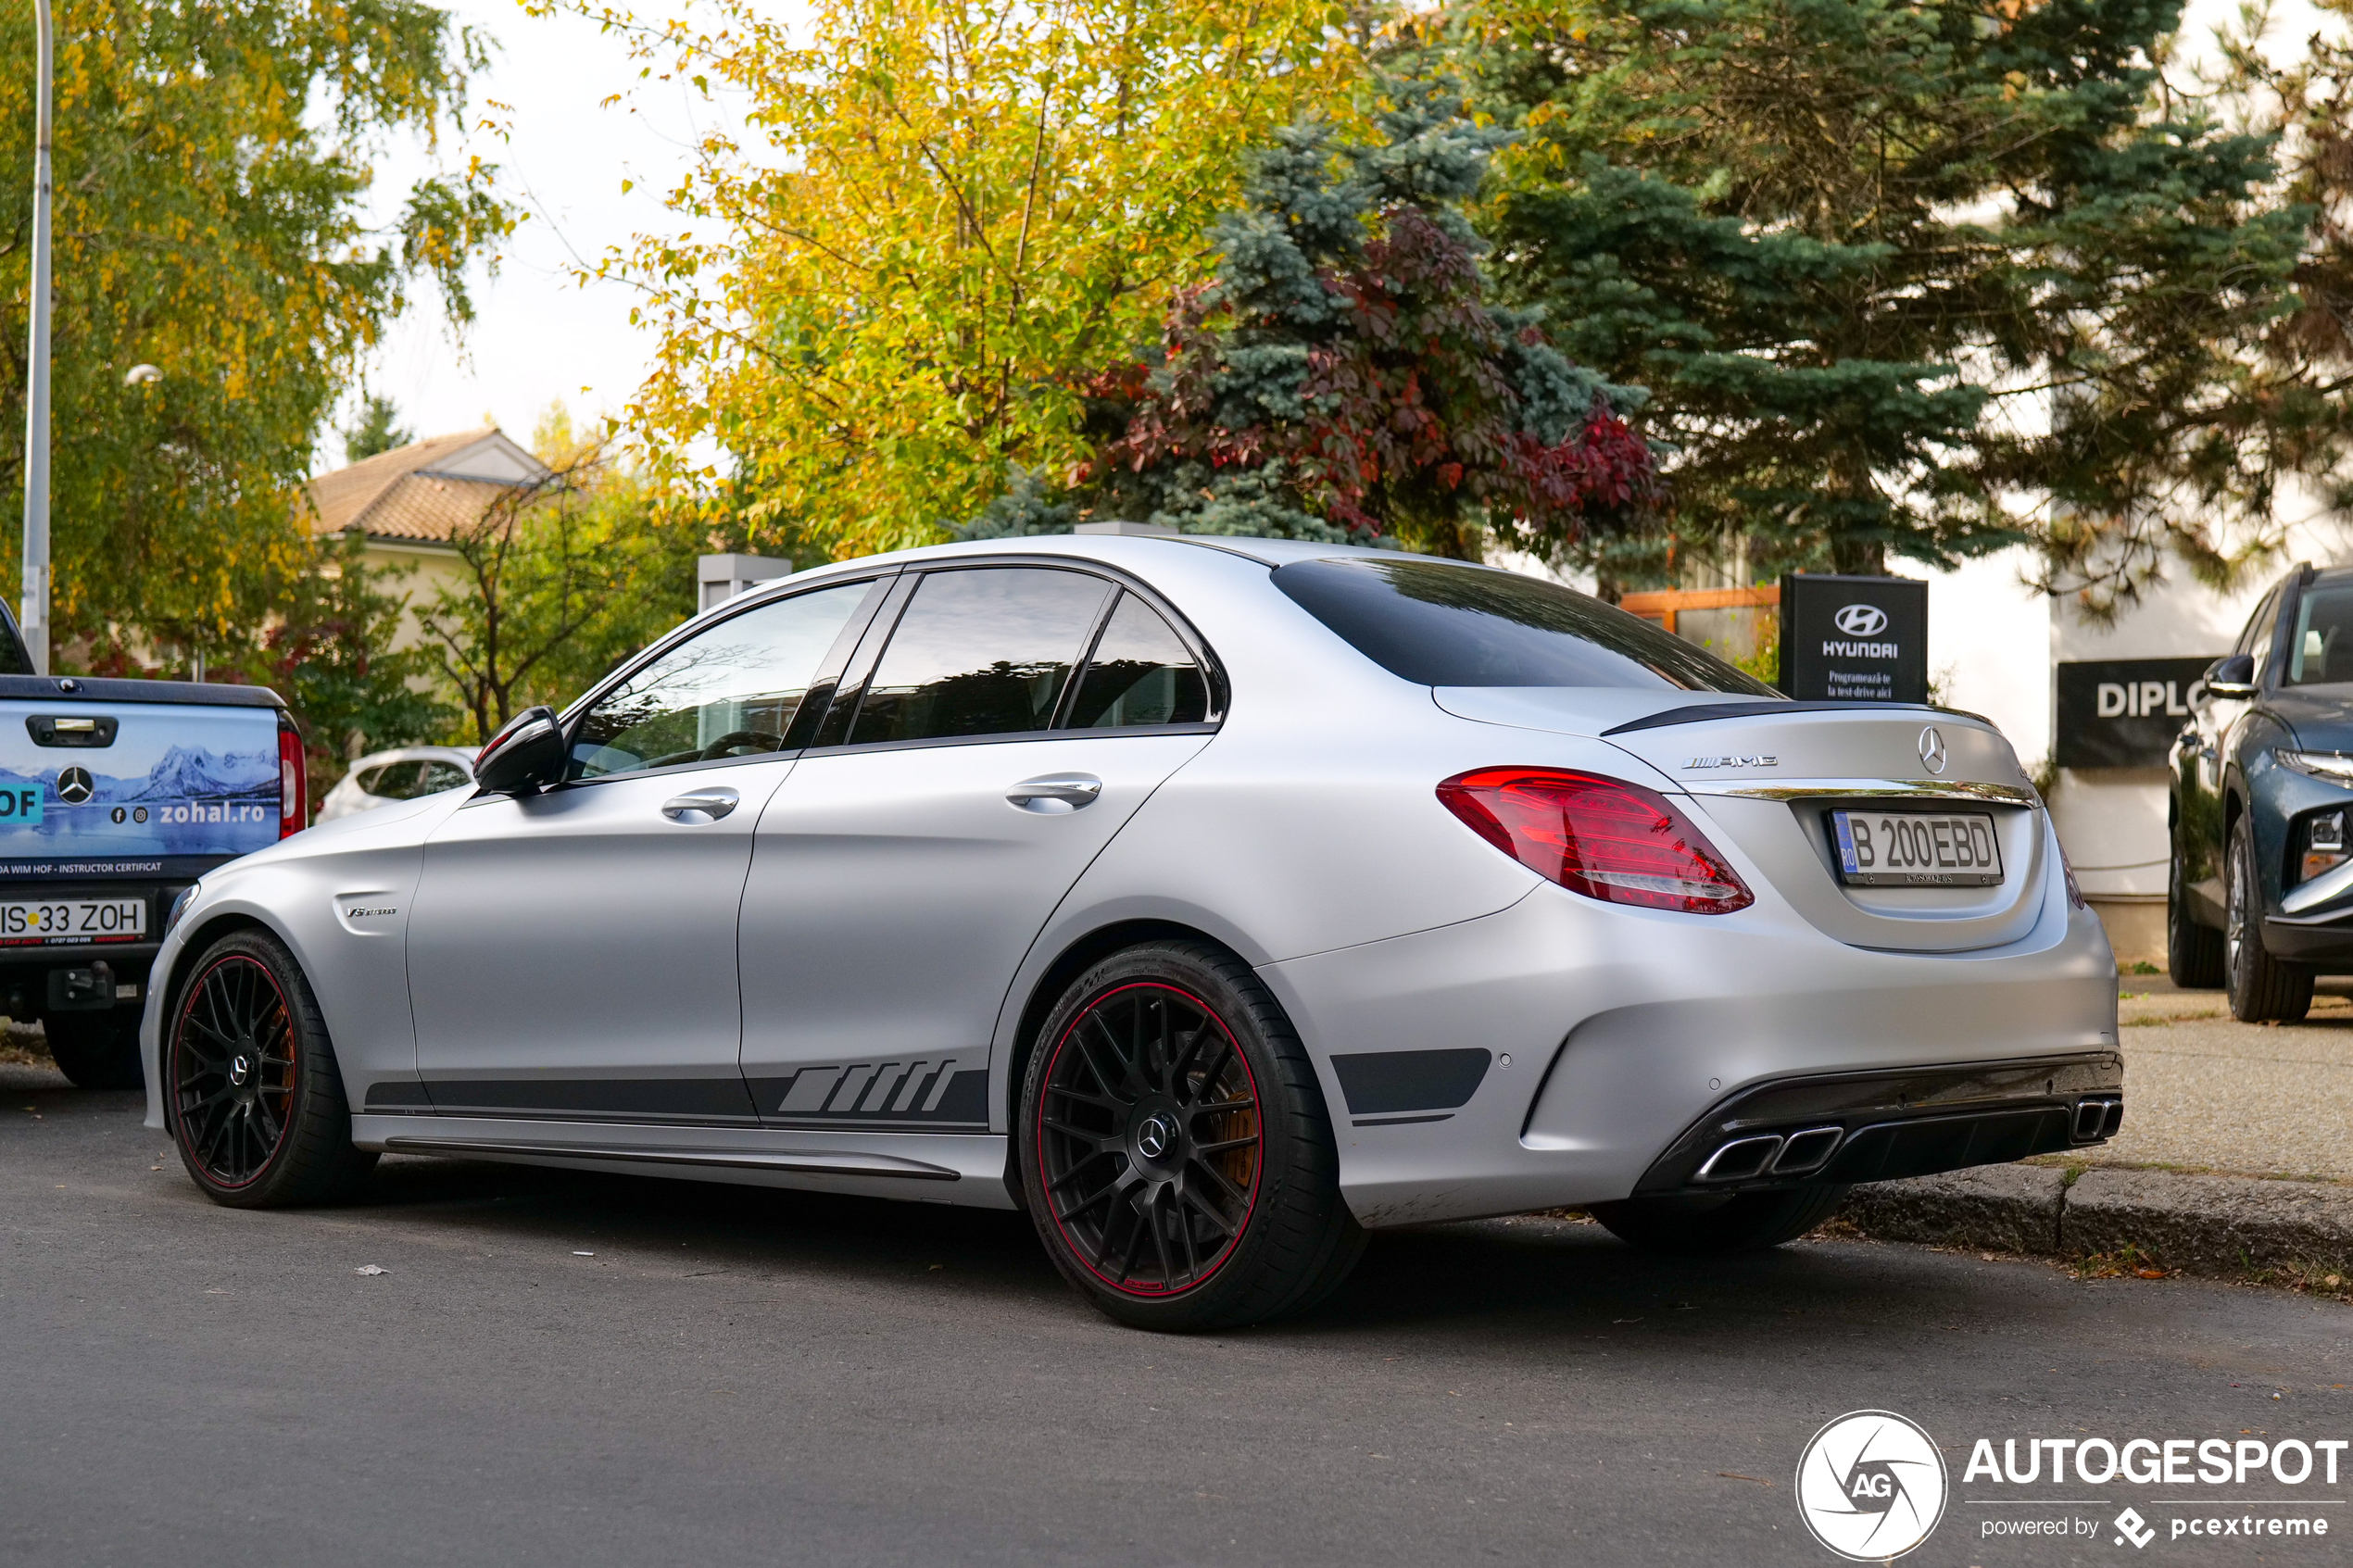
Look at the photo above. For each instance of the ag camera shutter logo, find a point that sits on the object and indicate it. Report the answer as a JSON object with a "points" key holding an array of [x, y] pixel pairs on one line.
{"points": [[1860, 620], [1870, 1486]]}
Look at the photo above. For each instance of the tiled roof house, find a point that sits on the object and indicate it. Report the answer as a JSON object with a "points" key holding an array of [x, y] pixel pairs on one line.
{"points": [[409, 501]]}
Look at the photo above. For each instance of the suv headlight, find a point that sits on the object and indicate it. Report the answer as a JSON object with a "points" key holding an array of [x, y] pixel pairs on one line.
{"points": [[2333, 766], [179, 908]]}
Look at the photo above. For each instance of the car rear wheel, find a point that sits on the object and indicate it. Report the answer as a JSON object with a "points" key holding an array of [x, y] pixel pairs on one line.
{"points": [[2262, 989], [2193, 952], [255, 1102], [1174, 1150], [1740, 1222], [97, 1050]]}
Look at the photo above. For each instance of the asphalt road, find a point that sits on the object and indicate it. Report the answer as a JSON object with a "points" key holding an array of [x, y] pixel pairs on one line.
{"points": [[733, 1376]]}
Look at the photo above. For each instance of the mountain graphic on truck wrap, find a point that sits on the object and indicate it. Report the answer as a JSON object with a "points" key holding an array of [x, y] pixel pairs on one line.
{"points": [[176, 781]]}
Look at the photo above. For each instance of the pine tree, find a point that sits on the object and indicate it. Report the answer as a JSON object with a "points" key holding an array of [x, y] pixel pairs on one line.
{"points": [[1886, 264], [1343, 377], [375, 428]]}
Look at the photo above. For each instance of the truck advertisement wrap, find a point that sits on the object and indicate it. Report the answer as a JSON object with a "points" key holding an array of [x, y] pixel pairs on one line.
{"points": [[131, 789]]}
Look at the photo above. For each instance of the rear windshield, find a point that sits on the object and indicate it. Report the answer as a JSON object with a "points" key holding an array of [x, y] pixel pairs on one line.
{"points": [[1439, 624]]}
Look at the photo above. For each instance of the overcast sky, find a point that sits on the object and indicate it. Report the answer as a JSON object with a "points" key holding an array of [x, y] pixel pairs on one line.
{"points": [[539, 337]]}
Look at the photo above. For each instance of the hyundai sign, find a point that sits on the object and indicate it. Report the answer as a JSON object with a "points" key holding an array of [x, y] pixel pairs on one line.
{"points": [[1855, 639], [2124, 712]]}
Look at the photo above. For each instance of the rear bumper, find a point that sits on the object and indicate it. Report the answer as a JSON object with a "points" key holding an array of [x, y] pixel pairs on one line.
{"points": [[1560, 1052], [1878, 1126]]}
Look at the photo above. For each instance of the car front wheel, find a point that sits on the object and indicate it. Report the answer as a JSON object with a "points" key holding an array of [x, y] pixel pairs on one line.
{"points": [[255, 1102], [1174, 1150], [2262, 989]]}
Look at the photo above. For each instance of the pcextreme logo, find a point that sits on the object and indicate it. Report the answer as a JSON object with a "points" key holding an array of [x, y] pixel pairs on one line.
{"points": [[1870, 1486]]}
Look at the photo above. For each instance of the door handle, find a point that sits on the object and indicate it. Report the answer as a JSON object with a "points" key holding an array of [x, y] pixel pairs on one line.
{"points": [[698, 806], [1056, 792]]}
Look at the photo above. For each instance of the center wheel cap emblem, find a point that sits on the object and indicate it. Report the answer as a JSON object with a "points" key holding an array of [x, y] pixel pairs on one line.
{"points": [[1156, 1135], [238, 1068], [1932, 751]]}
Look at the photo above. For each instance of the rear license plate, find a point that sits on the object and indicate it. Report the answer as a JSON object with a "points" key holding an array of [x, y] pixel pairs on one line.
{"points": [[1916, 848], [74, 920]]}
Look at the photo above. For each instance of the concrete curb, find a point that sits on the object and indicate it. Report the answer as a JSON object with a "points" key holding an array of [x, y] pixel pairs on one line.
{"points": [[2219, 1225]]}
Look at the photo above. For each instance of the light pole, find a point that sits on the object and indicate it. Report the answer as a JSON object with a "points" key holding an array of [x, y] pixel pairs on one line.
{"points": [[35, 620]]}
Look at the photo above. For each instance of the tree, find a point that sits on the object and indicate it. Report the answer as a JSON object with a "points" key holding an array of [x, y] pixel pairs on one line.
{"points": [[1342, 376], [946, 213], [375, 428], [211, 176], [331, 655], [564, 577], [1907, 277]]}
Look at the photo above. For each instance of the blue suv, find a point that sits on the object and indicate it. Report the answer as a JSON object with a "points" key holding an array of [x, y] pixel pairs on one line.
{"points": [[2260, 898]]}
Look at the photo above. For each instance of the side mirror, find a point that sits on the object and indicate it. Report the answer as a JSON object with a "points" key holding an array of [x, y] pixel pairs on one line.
{"points": [[527, 754], [2231, 677]]}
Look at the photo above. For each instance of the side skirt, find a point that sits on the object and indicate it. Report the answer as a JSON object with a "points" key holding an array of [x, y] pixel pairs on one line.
{"points": [[967, 1170]]}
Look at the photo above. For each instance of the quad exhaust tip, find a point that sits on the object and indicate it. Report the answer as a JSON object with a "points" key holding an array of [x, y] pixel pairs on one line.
{"points": [[1796, 1154], [2097, 1117]]}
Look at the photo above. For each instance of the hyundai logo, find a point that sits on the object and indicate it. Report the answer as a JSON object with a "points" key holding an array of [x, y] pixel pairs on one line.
{"points": [[1932, 751], [75, 785], [1861, 621]]}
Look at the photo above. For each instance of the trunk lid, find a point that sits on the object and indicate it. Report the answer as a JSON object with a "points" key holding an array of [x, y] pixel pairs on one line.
{"points": [[1769, 777]]}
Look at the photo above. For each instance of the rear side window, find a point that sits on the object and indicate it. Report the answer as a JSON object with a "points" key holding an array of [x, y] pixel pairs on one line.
{"points": [[1141, 673], [980, 652], [444, 775], [1436, 623], [2320, 651]]}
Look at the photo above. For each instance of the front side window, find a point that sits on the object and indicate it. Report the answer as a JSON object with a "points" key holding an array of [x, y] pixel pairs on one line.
{"points": [[981, 651], [1140, 673], [2321, 653], [2257, 636], [1436, 623], [729, 691]]}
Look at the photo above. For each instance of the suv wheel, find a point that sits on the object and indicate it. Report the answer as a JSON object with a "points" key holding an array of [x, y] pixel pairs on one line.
{"points": [[2193, 952], [251, 1091], [1175, 1151], [2261, 988]]}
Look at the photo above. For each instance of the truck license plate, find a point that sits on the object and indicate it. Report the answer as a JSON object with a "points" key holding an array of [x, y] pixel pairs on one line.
{"points": [[74, 920], [1916, 848]]}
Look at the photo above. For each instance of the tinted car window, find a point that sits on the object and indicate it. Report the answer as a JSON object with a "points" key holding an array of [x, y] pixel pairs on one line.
{"points": [[2320, 652], [1140, 673], [2256, 637], [731, 690], [1439, 624], [391, 782], [980, 652], [444, 775]]}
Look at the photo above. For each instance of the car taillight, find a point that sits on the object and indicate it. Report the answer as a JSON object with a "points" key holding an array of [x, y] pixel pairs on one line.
{"points": [[1600, 836], [293, 780]]}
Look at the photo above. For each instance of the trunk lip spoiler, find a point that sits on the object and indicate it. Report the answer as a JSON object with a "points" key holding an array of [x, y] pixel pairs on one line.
{"points": [[1700, 713]]}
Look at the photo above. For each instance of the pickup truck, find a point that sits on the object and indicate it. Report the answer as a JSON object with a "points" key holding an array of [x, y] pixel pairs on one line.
{"points": [[115, 797]]}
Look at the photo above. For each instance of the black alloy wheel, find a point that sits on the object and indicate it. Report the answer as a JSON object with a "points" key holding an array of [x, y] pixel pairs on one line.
{"points": [[2193, 952], [2261, 988], [1177, 1161], [256, 1102]]}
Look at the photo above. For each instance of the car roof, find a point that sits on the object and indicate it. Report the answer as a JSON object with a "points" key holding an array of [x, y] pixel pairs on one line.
{"points": [[1135, 552]]}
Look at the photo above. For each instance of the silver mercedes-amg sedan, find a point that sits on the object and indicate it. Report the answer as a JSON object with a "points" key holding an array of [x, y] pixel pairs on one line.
{"points": [[1213, 900]]}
